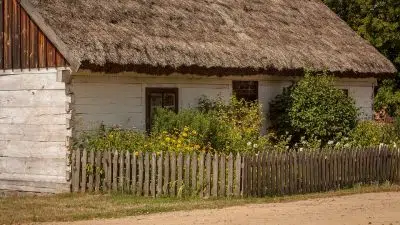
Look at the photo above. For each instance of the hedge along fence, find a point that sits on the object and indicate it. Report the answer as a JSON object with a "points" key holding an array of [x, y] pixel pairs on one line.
{"points": [[219, 175]]}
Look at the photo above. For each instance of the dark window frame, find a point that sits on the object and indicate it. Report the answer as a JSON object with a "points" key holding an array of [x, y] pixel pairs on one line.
{"points": [[256, 89], [150, 90]]}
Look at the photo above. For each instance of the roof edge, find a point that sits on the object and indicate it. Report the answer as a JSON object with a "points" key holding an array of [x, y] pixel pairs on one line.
{"points": [[221, 71], [50, 34]]}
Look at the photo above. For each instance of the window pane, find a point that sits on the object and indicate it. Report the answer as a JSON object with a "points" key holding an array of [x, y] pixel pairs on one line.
{"points": [[246, 90]]}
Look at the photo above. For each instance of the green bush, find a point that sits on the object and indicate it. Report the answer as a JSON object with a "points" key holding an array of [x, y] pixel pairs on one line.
{"points": [[371, 133], [388, 98], [224, 127], [313, 109], [113, 138]]}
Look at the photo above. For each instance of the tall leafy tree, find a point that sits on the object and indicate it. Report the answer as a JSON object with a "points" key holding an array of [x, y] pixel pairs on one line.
{"points": [[378, 21]]}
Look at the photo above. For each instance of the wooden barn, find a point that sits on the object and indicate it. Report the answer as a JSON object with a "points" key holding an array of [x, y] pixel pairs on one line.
{"points": [[69, 65]]}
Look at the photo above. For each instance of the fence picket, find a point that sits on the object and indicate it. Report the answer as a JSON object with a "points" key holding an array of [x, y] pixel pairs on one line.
{"points": [[115, 171], [146, 184], [194, 173], [238, 169], [134, 173], [121, 172], [109, 170], [214, 191], [127, 172], [153, 174], [140, 174], [229, 190], [166, 174], [222, 176], [84, 170], [97, 171], [187, 172], [201, 175], [208, 176], [172, 186], [160, 174], [180, 170], [105, 168], [91, 172], [75, 170], [259, 173]]}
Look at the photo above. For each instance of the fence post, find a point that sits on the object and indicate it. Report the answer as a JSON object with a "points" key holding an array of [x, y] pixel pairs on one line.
{"points": [[172, 186], [97, 171], [230, 175], [214, 190], [153, 174], [222, 175], [160, 174], [208, 175]]}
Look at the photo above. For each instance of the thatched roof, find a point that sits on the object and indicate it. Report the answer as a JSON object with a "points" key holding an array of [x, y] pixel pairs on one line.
{"points": [[256, 35]]}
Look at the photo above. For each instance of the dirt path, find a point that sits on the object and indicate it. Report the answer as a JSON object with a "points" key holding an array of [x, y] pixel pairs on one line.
{"points": [[375, 208]]}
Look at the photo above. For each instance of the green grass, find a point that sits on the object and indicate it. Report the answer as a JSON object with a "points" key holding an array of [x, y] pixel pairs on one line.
{"points": [[70, 207]]}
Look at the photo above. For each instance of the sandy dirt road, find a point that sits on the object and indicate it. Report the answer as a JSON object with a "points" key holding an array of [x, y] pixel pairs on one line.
{"points": [[375, 208]]}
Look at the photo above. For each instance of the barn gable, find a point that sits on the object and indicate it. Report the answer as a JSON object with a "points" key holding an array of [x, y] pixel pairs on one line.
{"points": [[23, 44]]}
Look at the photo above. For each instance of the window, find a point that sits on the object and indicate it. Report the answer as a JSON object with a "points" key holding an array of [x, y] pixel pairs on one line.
{"points": [[160, 97], [246, 90]]}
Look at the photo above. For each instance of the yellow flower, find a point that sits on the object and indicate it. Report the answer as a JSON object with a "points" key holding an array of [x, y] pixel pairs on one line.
{"points": [[194, 132], [136, 153], [179, 141], [167, 139], [179, 145], [184, 134], [186, 129], [197, 146]]}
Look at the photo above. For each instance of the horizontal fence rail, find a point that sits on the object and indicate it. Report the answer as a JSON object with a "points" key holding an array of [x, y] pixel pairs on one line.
{"points": [[219, 175]]}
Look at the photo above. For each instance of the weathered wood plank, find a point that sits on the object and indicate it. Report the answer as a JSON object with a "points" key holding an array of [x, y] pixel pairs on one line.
{"points": [[91, 172], [146, 174], [208, 176], [160, 175], [98, 171], [83, 170], [127, 172], [214, 191], [166, 173], [238, 169], [194, 173], [180, 170], [121, 170], [115, 171], [201, 185], [153, 174], [140, 174], [187, 172], [134, 173], [75, 170], [222, 176], [105, 169], [230, 175], [172, 186], [259, 174], [244, 173]]}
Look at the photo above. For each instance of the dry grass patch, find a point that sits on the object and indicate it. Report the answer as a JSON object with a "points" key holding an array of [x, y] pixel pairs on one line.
{"points": [[71, 207]]}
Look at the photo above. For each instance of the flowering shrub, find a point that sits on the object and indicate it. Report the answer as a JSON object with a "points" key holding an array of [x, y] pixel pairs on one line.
{"points": [[185, 140]]}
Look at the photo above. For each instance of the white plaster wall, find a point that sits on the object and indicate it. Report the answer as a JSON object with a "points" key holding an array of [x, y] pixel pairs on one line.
{"points": [[120, 99], [33, 132]]}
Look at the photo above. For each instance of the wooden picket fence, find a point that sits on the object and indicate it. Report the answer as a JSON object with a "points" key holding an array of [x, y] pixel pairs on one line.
{"points": [[220, 175]]}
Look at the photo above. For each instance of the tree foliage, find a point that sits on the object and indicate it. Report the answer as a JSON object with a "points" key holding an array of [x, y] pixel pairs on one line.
{"points": [[313, 109], [377, 21]]}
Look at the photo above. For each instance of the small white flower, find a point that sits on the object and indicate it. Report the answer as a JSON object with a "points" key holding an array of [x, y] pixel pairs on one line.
{"points": [[255, 146], [249, 143], [330, 142], [301, 149]]}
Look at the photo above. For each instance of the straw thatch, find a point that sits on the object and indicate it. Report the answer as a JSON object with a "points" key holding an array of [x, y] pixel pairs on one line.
{"points": [[256, 35]]}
